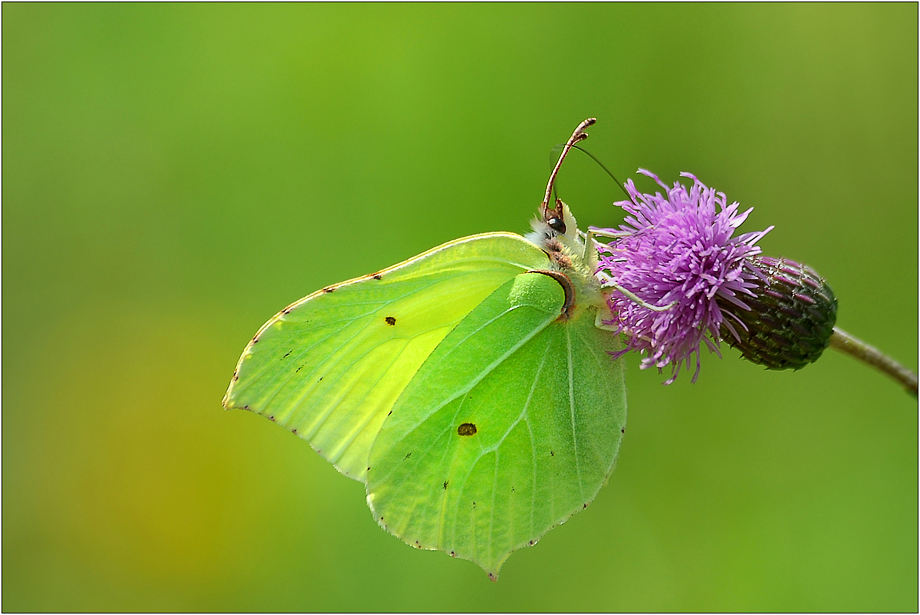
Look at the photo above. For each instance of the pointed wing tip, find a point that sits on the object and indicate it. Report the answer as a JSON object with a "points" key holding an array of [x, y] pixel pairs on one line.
{"points": [[231, 404], [228, 405], [493, 569], [228, 401]]}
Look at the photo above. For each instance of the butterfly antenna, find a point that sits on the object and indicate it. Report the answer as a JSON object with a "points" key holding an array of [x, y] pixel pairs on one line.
{"points": [[553, 216], [601, 165]]}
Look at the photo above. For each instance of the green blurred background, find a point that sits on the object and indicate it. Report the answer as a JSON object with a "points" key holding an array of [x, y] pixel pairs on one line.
{"points": [[173, 174]]}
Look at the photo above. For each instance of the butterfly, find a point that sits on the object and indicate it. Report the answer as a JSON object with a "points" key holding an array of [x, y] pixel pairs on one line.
{"points": [[470, 388]]}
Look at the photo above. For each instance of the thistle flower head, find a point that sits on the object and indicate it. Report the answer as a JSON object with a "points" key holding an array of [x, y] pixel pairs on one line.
{"points": [[677, 251]]}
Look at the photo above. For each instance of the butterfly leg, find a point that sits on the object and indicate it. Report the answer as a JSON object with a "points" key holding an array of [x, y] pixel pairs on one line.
{"points": [[632, 297]]}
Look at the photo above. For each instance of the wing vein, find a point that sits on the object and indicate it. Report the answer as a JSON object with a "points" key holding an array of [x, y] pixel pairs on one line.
{"points": [[533, 490], [492, 509], [568, 340]]}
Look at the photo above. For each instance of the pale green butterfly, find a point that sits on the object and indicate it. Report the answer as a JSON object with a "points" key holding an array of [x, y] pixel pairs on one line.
{"points": [[471, 388]]}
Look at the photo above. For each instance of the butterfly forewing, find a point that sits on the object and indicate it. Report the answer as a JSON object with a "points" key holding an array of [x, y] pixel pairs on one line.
{"points": [[330, 366]]}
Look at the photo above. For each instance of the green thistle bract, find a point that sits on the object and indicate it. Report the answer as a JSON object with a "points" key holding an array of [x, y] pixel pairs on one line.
{"points": [[791, 317]]}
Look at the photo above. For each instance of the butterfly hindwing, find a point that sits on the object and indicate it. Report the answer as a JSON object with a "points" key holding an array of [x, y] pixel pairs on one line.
{"points": [[330, 366], [508, 428]]}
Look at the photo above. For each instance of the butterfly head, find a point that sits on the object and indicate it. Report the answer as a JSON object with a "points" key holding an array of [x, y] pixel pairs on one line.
{"points": [[555, 227], [556, 233]]}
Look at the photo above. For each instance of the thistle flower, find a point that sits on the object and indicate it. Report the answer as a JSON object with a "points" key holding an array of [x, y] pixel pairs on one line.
{"points": [[676, 252], [677, 279]]}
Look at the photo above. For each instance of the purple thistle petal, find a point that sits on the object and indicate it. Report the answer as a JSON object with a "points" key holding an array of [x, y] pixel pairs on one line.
{"points": [[677, 249]]}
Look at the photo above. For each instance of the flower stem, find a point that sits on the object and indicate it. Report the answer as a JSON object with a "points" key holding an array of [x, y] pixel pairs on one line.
{"points": [[844, 342]]}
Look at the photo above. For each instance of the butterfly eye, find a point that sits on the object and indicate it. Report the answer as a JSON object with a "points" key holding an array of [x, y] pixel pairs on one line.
{"points": [[556, 224]]}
